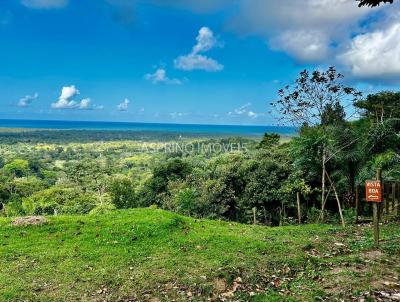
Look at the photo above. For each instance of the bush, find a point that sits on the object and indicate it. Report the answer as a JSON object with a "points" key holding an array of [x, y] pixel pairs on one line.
{"points": [[313, 215], [59, 200], [102, 209], [349, 215], [13, 208], [122, 193], [185, 201]]}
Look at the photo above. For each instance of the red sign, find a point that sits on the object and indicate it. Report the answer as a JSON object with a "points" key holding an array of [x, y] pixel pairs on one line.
{"points": [[373, 191]]}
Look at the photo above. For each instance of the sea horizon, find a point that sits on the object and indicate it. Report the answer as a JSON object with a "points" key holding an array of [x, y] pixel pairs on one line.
{"points": [[253, 130]]}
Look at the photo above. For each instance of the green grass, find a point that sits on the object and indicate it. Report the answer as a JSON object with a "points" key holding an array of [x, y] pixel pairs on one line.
{"points": [[153, 255]]}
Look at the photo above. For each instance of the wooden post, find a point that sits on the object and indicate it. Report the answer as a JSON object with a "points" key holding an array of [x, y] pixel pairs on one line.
{"points": [[337, 199], [376, 213], [357, 202], [298, 206], [254, 216], [387, 201], [320, 217]]}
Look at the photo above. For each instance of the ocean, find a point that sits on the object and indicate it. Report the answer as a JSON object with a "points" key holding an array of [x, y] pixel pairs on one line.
{"points": [[154, 127]]}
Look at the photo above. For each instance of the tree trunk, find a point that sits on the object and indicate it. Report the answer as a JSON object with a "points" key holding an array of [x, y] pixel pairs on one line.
{"points": [[323, 183], [337, 199], [298, 206], [324, 203], [376, 210], [357, 202]]}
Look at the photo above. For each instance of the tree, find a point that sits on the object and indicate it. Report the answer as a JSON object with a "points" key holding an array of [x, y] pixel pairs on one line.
{"points": [[312, 96], [380, 106], [373, 3], [383, 111], [316, 100], [333, 114], [172, 170], [122, 192], [90, 177], [269, 140], [17, 168]]}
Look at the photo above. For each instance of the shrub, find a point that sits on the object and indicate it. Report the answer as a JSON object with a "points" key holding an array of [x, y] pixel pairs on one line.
{"points": [[59, 200], [102, 209], [122, 193]]}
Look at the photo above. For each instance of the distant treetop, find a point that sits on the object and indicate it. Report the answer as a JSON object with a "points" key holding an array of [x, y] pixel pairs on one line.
{"points": [[373, 3]]}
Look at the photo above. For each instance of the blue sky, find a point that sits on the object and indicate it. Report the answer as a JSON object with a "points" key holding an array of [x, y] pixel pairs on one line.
{"points": [[210, 61]]}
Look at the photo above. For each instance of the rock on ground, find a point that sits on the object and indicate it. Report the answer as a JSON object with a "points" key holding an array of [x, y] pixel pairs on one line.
{"points": [[29, 220]]}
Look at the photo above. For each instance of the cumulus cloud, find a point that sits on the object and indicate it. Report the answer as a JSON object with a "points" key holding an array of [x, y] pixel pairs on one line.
{"points": [[124, 105], [46, 4], [86, 104], [27, 100], [305, 45], [160, 76], [196, 60], [191, 62], [306, 29], [244, 111], [66, 100], [375, 54]]}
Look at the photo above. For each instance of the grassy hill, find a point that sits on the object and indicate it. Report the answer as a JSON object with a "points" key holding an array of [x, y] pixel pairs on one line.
{"points": [[153, 255]]}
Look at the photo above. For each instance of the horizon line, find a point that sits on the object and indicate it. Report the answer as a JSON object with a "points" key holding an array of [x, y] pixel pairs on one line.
{"points": [[149, 123]]}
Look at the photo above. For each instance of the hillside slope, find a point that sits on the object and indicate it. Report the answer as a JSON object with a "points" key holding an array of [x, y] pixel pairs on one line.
{"points": [[153, 255]]}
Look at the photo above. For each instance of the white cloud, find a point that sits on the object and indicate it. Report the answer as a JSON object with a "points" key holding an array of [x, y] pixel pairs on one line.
{"points": [[160, 76], [195, 60], [252, 114], [85, 104], [69, 92], [306, 29], [47, 4], [27, 100], [244, 111], [123, 106], [200, 62], [375, 54], [305, 45], [241, 110], [205, 40], [66, 100]]}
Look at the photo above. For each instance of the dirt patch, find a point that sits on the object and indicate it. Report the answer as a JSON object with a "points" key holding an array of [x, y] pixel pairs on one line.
{"points": [[219, 285], [29, 220], [373, 255]]}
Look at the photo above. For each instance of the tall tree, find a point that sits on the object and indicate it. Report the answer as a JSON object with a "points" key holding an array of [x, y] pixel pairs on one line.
{"points": [[316, 99]]}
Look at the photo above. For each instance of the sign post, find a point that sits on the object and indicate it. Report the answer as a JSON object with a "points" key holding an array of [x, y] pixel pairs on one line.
{"points": [[373, 193]]}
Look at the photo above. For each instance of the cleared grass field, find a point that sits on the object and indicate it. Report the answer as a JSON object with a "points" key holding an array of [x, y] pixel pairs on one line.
{"points": [[153, 255]]}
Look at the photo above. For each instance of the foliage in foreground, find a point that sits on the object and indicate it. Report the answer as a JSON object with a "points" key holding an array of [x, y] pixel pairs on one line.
{"points": [[153, 255]]}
